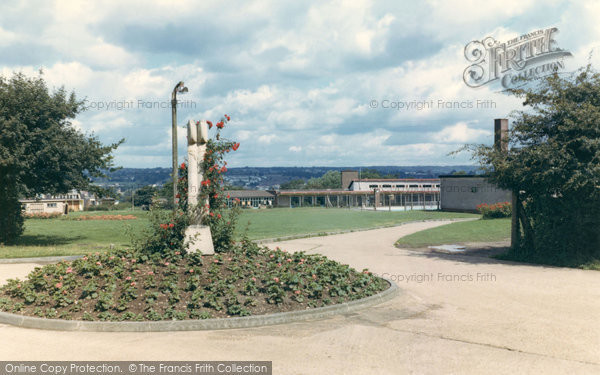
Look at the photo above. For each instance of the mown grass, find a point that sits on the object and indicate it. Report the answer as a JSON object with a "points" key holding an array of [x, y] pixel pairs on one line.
{"points": [[461, 232], [281, 222], [67, 236]]}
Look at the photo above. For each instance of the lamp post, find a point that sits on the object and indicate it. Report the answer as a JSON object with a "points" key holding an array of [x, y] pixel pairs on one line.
{"points": [[181, 89]]}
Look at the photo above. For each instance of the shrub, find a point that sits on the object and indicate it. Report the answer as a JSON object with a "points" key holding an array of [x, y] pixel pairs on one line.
{"points": [[495, 211], [42, 215], [222, 224]]}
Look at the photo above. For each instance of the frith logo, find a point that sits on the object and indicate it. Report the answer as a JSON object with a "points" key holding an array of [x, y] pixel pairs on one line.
{"points": [[512, 63]]}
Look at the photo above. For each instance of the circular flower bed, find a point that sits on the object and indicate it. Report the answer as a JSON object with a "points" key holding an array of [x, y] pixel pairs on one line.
{"points": [[133, 286]]}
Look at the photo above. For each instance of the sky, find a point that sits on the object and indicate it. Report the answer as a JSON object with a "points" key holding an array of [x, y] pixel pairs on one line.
{"points": [[306, 83]]}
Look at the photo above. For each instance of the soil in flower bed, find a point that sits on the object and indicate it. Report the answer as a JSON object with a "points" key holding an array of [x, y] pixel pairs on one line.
{"points": [[105, 217], [126, 285]]}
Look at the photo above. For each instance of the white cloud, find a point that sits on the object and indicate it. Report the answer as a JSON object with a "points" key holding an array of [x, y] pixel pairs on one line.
{"points": [[266, 138], [298, 77], [461, 133]]}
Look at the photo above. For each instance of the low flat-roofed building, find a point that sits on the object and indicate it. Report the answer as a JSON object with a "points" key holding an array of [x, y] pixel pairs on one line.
{"points": [[465, 193], [396, 184], [251, 198]]}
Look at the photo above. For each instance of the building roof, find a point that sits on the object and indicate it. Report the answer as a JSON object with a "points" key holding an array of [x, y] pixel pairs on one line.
{"points": [[318, 192], [250, 194], [50, 200], [348, 192], [464, 176], [395, 179]]}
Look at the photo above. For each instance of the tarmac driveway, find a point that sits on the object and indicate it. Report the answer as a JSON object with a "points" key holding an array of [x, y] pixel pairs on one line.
{"points": [[456, 314]]}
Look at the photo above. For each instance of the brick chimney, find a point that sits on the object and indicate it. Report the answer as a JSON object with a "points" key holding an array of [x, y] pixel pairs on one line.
{"points": [[501, 134], [347, 177]]}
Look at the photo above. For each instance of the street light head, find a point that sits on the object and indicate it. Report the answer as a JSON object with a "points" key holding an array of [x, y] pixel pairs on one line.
{"points": [[181, 87]]}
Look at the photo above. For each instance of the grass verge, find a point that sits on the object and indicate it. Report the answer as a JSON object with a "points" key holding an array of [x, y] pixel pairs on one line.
{"points": [[461, 232], [69, 236]]}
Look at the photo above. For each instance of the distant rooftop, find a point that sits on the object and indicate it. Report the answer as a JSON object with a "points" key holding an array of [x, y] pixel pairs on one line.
{"points": [[250, 193], [394, 179]]}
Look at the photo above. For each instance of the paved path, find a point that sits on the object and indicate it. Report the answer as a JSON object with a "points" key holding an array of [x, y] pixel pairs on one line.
{"points": [[514, 319]]}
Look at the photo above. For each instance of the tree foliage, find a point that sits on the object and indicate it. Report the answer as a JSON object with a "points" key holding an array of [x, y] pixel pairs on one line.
{"points": [[297, 183], [40, 150], [375, 174], [554, 166], [330, 180], [144, 195]]}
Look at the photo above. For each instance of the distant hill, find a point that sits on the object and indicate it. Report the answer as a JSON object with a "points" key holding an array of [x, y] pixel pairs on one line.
{"points": [[271, 177]]}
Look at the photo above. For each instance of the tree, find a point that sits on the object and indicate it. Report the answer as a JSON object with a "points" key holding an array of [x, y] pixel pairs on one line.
{"points": [[297, 183], [40, 150], [374, 174], [330, 180], [143, 196], [553, 165]]}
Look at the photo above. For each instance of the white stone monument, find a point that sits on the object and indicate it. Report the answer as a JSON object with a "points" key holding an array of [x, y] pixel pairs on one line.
{"points": [[197, 236]]}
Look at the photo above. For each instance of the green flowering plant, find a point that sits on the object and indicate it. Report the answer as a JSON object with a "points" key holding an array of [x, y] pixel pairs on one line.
{"points": [[494, 211], [166, 234], [215, 214]]}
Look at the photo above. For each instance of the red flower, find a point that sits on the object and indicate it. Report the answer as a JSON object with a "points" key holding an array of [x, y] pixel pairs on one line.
{"points": [[235, 146], [218, 216], [216, 196], [212, 214], [224, 169], [205, 182], [177, 196], [228, 196], [182, 165], [171, 225], [209, 124], [228, 118], [220, 124]]}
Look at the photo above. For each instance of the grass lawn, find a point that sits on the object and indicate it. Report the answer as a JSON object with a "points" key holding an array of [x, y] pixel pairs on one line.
{"points": [[281, 222], [66, 236], [467, 231]]}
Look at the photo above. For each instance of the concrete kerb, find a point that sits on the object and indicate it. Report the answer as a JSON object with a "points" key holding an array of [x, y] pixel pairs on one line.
{"points": [[201, 325], [56, 259]]}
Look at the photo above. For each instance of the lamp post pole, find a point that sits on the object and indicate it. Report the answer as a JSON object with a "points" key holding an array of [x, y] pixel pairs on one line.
{"points": [[182, 89]]}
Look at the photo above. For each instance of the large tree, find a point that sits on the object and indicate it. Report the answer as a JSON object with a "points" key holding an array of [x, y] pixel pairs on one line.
{"points": [[40, 150], [553, 165]]}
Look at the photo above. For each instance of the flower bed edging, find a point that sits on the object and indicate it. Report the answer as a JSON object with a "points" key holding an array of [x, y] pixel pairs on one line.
{"points": [[200, 325]]}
